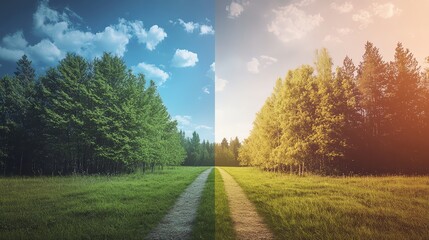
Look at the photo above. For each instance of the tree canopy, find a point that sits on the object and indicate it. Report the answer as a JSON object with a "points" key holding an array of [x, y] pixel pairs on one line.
{"points": [[367, 119], [84, 117]]}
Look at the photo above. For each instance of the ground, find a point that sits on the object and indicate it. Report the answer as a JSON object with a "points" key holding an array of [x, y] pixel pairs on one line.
{"points": [[291, 207], [83, 207], [315, 207]]}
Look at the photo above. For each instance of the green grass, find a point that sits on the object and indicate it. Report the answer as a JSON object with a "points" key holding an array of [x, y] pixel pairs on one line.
{"points": [[213, 216], [89, 207], [224, 227], [204, 227], [315, 207]]}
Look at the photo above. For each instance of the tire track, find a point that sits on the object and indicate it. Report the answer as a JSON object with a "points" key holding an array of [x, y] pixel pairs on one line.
{"points": [[178, 222], [247, 222]]}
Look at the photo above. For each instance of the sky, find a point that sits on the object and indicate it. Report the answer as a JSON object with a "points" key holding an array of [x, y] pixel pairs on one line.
{"points": [[171, 42], [258, 41]]}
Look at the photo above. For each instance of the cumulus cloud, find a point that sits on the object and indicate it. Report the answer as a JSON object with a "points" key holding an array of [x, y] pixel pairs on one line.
{"points": [[384, 11], [206, 29], [151, 38], [220, 84], [291, 23], [15, 41], [183, 120], [46, 50], [189, 27], [387, 10], [255, 64], [60, 35], [342, 8], [304, 3], [151, 72], [10, 54], [234, 9], [363, 17], [184, 58]]}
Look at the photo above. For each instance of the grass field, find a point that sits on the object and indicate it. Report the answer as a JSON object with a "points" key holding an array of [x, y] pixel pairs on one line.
{"points": [[315, 207], [89, 207]]}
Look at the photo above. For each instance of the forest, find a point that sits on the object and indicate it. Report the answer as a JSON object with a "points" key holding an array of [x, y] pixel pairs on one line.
{"points": [[372, 118], [197, 153], [86, 117], [227, 152]]}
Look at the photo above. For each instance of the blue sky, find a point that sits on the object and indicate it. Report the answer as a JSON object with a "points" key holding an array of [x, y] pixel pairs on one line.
{"points": [[171, 42]]}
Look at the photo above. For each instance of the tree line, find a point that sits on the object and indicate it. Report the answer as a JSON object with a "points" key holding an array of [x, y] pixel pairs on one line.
{"points": [[370, 118], [84, 117], [227, 152], [197, 153]]}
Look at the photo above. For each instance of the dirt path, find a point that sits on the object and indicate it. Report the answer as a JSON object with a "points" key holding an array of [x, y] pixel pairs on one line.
{"points": [[247, 223], [177, 224]]}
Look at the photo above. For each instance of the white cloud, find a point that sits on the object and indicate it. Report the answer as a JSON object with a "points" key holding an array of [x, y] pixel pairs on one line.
{"points": [[253, 65], [184, 120], [151, 38], [211, 72], [155, 36], [330, 38], [15, 41], [342, 8], [234, 9], [184, 58], [220, 84], [292, 23], [204, 127], [344, 31], [10, 54], [188, 26], [45, 50], [206, 90], [304, 3], [191, 26], [151, 72], [61, 36], [205, 29], [363, 17], [387, 10], [267, 60]]}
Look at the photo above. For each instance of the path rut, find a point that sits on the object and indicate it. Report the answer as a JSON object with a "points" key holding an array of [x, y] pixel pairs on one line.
{"points": [[247, 222], [177, 224]]}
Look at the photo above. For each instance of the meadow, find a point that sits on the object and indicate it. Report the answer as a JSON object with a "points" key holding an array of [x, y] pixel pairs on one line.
{"points": [[318, 207], [89, 207]]}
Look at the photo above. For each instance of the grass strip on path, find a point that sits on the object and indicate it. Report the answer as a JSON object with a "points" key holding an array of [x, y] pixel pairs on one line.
{"points": [[179, 221], [89, 207], [204, 227], [315, 207], [224, 226]]}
